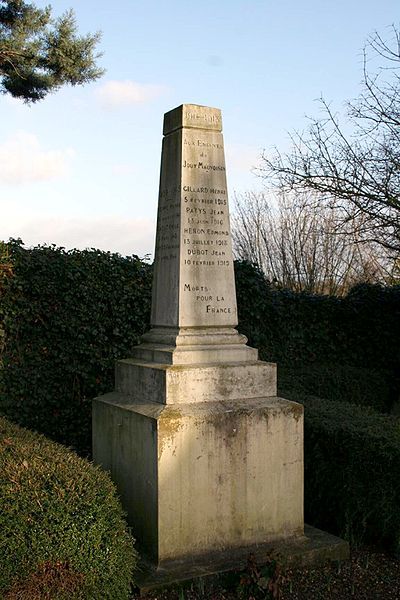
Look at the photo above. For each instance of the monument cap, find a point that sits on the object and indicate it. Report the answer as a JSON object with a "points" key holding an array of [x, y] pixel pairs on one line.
{"points": [[192, 116]]}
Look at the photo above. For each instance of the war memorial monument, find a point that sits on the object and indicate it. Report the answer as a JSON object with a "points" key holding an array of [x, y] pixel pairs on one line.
{"points": [[208, 461]]}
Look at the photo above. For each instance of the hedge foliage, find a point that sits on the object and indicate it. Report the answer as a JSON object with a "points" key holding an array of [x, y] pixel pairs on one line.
{"points": [[62, 532], [67, 317], [352, 471], [361, 329], [338, 348], [377, 388]]}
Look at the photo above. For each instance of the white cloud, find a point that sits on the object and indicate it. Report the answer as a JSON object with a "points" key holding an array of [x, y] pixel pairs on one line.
{"points": [[116, 234], [114, 94], [22, 160]]}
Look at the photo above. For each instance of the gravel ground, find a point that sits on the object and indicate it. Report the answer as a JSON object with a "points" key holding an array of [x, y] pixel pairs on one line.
{"points": [[369, 575]]}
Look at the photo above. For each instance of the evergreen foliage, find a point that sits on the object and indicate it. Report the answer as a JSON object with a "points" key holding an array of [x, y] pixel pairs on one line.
{"points": [[352, 471], [39, 54], [62, 532], [67, 317], [339, 348]]}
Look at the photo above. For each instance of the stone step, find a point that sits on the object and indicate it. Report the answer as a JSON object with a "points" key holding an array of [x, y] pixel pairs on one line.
{"points": [[315, 547], [183, 384]]}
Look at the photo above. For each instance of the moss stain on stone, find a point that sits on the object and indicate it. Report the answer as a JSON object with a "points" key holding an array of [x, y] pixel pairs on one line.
{"points": [[168, 426], [296, 410]]}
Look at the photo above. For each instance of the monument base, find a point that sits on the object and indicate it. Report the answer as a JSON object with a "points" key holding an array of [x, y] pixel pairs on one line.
{"points": [[204, 477], [313, 548], [194, 346], [185, 384]]}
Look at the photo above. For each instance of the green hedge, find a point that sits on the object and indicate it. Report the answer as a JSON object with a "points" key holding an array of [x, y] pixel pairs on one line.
{"points": [[62, 532], [352, 471], [340, 348], [375, 388], [67, 316], [361, 329]]}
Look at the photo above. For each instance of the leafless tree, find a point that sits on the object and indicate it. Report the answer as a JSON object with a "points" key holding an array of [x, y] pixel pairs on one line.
{"points": [[296, 242], [359, 171]]}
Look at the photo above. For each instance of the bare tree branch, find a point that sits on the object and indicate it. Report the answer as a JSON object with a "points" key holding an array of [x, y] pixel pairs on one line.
{"points": [[301, 244], [359, 172]]}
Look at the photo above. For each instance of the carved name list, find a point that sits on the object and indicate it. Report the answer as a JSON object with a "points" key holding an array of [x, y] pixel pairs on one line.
{"points": [[194, 280]]}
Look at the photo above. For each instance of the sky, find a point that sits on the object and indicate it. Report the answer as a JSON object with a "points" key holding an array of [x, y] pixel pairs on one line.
{"points": [[80, 169]]}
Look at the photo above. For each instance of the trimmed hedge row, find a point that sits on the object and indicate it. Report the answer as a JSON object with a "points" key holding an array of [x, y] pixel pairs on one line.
{"points": [[362, 329], [369, 387], [341, 348], [67, 317], [62, 532], [352, 471]]}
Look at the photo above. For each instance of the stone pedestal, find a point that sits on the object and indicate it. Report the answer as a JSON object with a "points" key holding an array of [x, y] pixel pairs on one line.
{"points": [[204, 477], [207, 460]]}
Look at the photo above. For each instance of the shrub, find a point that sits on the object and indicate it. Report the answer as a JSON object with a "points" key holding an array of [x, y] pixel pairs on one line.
{"points": [[67, 317], [258, 315], [352, 471], [343, 348], [62, 533], [342, 383], [6, 272]]}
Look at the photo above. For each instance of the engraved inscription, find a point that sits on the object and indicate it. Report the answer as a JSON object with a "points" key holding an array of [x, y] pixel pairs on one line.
{"points": [[201, 165], [194, 117], [168, 228], [194, 280], [205, 225]]}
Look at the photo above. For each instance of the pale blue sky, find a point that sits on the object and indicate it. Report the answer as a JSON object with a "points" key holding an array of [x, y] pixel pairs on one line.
{"points": [[81, 168]]}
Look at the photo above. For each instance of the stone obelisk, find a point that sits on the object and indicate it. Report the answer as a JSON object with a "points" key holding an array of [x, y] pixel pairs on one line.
{"points": [[194, 301], [207, 460]]}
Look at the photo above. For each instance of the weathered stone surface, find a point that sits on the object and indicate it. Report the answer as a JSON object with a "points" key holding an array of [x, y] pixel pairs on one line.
{"points": [[183, 384], [192, 116], [194, 299], [197, 354], [196, 478], [313, 548]]}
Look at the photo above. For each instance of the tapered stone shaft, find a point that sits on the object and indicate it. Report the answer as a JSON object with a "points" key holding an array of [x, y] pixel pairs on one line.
{"points": [[194, 279], [194, 297]]}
